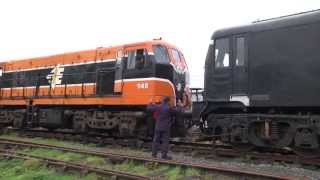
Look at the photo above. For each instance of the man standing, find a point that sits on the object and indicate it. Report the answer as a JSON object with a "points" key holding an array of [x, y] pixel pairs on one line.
{"points": [[162, 130]]}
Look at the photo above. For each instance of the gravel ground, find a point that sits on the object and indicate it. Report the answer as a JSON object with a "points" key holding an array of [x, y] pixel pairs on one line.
{"points": [[292, 170]]}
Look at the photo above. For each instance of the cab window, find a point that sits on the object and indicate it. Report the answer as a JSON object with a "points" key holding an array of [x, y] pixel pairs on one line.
{"points": [[161, 54], [175, 55], [136, 59], [240, 51], [222, 53]]}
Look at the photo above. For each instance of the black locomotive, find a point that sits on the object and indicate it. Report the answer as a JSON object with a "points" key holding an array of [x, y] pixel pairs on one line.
{"points": [[262, 84]]}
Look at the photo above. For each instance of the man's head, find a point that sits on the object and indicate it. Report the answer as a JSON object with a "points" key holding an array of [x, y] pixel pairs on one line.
{"points": [[165, 99]]}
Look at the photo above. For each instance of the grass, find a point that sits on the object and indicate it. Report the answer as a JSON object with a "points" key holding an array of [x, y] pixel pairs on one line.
{"points": [[192, 172], [32, 167], [66, 156], [34, 170], [50, 141]]}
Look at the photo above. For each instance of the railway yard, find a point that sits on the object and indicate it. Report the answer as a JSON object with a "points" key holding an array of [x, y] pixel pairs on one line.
{"points": [[105, 113], [77, 156]]}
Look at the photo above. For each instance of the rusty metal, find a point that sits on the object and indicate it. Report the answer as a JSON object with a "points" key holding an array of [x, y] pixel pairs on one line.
{"points": [[72, 165], [224, 169]]}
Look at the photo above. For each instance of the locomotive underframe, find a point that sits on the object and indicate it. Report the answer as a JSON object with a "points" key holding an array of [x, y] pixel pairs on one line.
{"points": [[270, 128], [118, 121], [122, 121]]}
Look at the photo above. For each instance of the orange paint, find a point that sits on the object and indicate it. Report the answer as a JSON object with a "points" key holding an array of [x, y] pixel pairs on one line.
{"points": [[127, 92]]}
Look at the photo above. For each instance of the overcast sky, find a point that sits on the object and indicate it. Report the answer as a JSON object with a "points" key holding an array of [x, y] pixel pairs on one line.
{"points": [[44, 27]]}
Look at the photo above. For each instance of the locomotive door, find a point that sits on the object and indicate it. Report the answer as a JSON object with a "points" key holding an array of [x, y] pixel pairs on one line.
{"points": [[118, 88], [240, 66], [222, 70], [105, 81]]}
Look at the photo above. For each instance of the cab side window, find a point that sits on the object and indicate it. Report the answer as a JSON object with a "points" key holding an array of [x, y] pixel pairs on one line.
{"points": [[136, 59], [240, 51], [175, 55], [222, 53]]}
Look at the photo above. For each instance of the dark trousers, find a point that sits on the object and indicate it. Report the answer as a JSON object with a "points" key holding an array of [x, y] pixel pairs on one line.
{"points": [[160, 141]]}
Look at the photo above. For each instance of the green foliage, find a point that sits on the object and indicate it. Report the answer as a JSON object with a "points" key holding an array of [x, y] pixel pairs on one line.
{"points": [[191, 172], [33, 170], [32, 164], [96, 161], [174, 173], [131, 166]]}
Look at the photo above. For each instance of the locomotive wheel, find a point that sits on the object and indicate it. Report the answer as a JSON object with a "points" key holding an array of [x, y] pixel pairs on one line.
{"points": [[79, 123], [307, 142], [18, 120], [218, 127], [80, 126], [285, 138], [207, 131], [17, 123]]}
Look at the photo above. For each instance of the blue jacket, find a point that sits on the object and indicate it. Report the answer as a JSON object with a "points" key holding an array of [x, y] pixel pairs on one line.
{"points": [[164, 115]]}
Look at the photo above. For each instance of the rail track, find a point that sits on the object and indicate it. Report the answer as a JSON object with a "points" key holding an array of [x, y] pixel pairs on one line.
{"points": [[121, 157], [71, 165], [197, 148]]}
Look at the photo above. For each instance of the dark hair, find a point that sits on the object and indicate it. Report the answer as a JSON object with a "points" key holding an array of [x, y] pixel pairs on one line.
{"points": [[165, 99]]}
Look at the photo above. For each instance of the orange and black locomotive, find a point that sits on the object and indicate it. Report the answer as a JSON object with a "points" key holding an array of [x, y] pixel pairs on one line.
{"points": [[103, 89]]}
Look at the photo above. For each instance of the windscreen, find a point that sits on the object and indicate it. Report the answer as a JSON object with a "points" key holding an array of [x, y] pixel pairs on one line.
{"points": [[161, 54]]}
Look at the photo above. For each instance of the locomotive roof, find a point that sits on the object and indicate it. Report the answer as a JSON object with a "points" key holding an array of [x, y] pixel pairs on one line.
{"points": [[273, 23], [144, 43], [76, 56]]}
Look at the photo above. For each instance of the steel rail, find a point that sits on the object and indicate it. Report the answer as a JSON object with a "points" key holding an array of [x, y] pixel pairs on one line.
{"points": [[229, 170], [72, 165]]}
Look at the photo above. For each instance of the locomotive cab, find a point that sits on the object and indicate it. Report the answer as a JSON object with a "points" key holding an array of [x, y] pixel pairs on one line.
{"points": [[170, 64], [228, 66], [158, 61]]}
